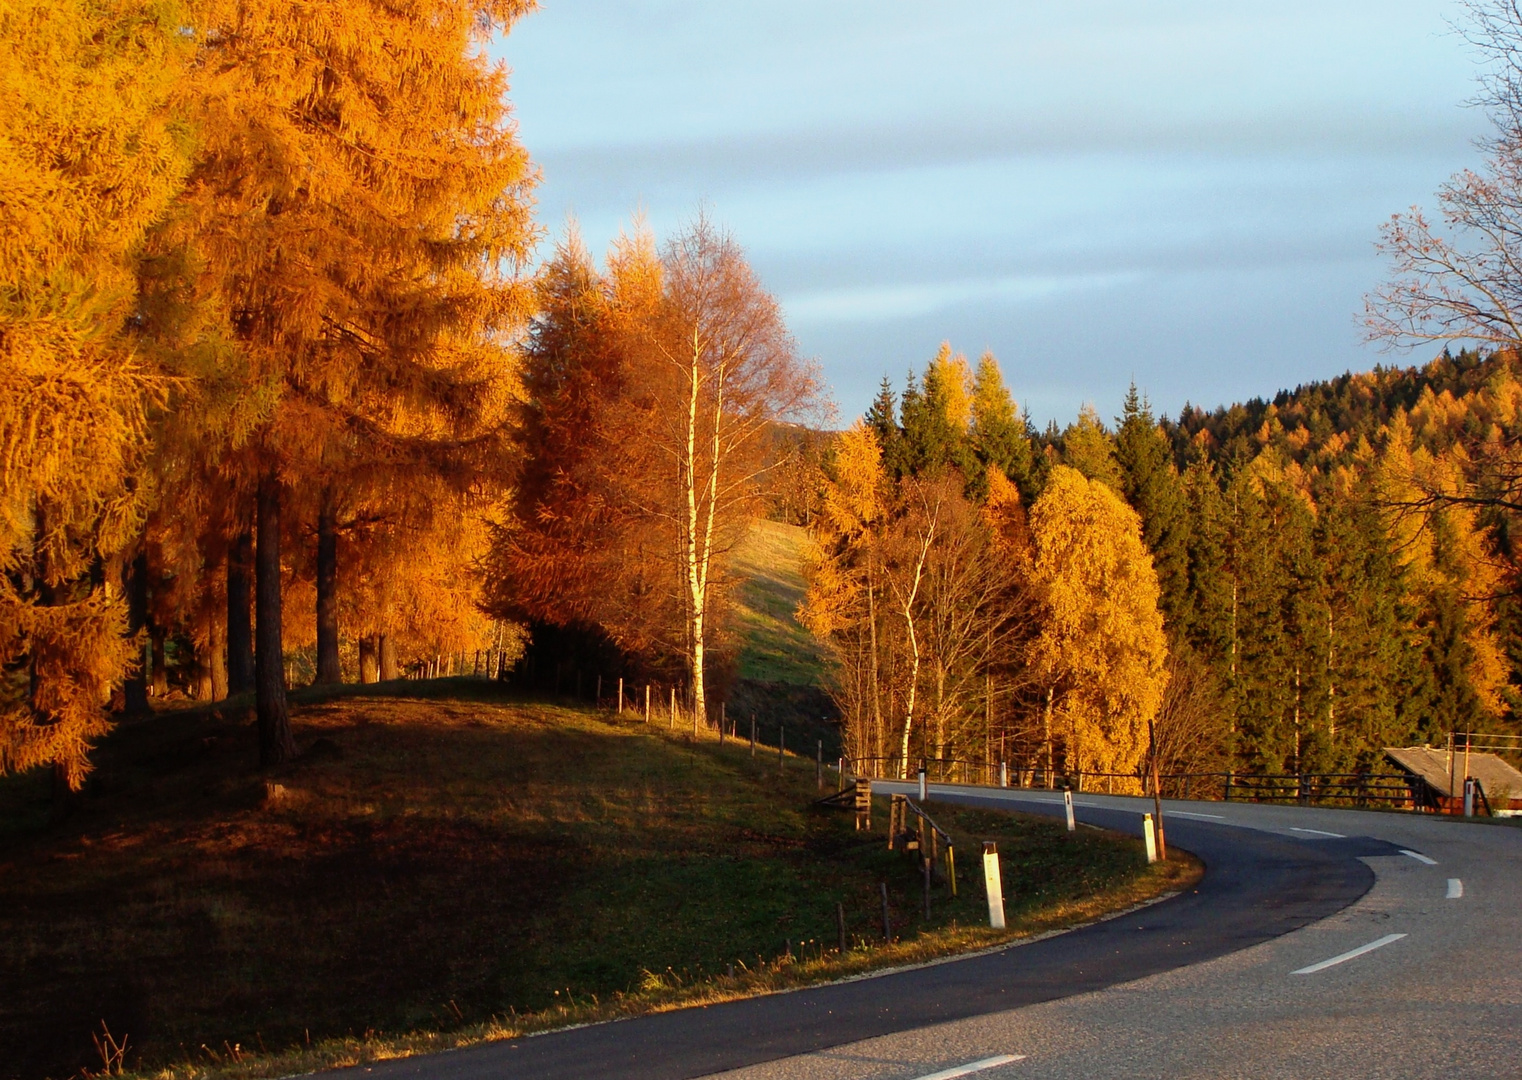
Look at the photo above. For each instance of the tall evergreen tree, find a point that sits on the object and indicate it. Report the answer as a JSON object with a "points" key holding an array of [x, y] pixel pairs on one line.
{"points": [[1151, 485], [923, 445], [882, 418]]}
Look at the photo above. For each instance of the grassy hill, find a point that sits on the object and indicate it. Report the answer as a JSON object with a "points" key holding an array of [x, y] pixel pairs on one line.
{"points": [[446, 864], [775, 648], [781, 666]]}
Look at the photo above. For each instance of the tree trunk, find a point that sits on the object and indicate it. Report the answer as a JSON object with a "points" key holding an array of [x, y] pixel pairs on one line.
{"points": [[1047, 735], [914, 678], [135, 688], [216, 654], [276, 742], [389, 668], [878, 741], [328, 670], [160, 663], [695, 586], [240, 631], [369, 666]]}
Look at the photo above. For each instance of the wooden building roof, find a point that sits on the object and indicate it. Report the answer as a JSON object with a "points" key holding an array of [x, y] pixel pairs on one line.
{"points": [[1430, 765]]}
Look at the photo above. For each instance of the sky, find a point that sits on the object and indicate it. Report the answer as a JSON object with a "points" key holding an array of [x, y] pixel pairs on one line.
{"points": [[1184, 194]]}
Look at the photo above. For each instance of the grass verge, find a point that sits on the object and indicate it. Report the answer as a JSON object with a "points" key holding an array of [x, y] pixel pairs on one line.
{"points": [[446, 869]]}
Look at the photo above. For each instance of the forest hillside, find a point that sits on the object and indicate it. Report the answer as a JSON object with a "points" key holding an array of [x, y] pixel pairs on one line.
{"points": [[1279, 586]]}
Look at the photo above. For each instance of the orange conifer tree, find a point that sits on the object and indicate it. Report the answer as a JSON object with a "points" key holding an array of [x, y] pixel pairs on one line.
{"points": [[358, 211], [90, 157]]}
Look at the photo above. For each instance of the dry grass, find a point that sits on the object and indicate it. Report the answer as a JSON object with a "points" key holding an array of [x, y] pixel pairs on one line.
{"points": [[441, 870]]}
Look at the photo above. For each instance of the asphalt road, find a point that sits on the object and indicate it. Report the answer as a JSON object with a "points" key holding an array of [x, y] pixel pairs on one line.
{"points": [[1204, 984]]}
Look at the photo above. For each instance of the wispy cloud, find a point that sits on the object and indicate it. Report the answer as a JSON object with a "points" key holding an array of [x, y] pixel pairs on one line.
{"points": [[888, 303]]}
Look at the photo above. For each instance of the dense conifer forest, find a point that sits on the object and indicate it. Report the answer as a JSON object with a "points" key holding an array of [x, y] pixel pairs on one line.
{"points": [[1334, 570]]}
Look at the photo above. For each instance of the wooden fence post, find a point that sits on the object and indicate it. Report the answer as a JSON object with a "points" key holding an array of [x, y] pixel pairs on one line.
{"points": [[647, 703]]}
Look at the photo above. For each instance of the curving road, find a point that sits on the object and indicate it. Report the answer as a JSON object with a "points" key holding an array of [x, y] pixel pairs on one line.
{"points": [[1321, 943]]}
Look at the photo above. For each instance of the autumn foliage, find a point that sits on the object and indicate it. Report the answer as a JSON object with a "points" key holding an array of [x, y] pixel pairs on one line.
{"points": [[651, 388], [263, 263], [1273, 587]]}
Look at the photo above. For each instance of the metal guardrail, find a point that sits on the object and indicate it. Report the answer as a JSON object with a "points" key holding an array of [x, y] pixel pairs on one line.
{"points": [[1391, 790]]}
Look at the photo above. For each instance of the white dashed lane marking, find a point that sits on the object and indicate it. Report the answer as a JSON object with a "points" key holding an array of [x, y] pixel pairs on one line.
{"points": [[1349, 955], [1419, 857], [972, 1067], [1455, 888], [1191, 813], [1319, 832]]}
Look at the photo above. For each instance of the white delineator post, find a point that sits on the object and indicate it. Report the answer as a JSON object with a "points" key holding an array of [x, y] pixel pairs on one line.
{"points": [[1067, 804], [1150, 836], [1004, 774], [922, 784], [993, 885], [1468, 797]]}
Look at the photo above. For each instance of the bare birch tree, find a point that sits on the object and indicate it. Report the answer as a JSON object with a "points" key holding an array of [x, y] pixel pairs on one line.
{"points": [[1460, 280], [731, 371]]}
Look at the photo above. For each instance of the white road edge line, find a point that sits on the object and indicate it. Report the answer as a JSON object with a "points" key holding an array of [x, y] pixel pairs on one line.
{"points": [[1319, 832], [1419, 857], [1191, 813], [1455, 889], [972, 1067], [1349, 955]]}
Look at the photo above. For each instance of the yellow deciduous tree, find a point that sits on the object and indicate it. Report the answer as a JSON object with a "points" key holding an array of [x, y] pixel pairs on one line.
{"points": [[1101, 652], [844, 603]]}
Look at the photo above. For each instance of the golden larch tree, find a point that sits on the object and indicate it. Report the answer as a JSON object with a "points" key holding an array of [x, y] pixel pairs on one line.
{"points": [[1101, 652], [90, 156], [359, 210]]}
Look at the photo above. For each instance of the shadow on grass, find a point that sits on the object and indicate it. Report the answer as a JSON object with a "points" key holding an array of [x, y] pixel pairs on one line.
{"points": [[443, 858]]}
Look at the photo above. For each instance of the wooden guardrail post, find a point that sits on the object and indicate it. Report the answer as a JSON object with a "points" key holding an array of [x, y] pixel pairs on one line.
{"points": [[924, 862]]}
